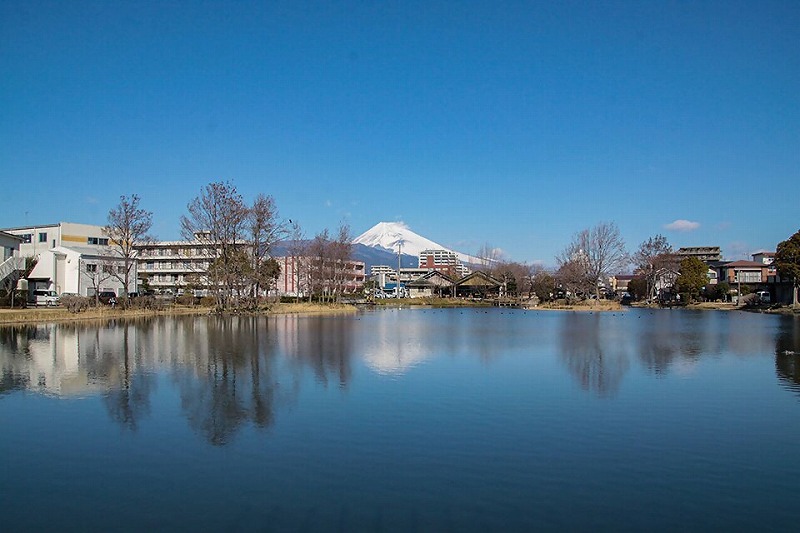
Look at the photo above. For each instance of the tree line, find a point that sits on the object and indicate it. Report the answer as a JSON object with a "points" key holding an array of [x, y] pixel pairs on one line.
{"points": [[595, 254], [238, 240]]}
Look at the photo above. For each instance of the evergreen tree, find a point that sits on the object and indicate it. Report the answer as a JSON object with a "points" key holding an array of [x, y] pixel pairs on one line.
{"points": [[787, 261]]}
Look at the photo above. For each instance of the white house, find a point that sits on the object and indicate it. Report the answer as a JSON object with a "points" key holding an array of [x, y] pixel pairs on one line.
{"points": [[72, 258], [11, 262]]}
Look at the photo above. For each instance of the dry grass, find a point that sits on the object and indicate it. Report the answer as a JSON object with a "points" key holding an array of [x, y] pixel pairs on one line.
{"points": [[586, 305], [721, 306], [37, 316], [42, 315], [305, 308]]}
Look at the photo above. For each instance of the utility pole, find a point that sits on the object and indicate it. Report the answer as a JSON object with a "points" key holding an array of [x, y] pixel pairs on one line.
{"points": [[399, 247]]}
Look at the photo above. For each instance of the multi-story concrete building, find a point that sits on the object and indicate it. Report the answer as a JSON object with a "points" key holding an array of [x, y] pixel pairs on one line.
{"points": [[170, 267], [72, 258], [444, 261], [299, 273], [703, 253]]}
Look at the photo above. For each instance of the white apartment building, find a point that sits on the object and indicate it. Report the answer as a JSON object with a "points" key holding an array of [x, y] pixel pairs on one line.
{"points": [[444, 261], [71, 258], [171, 267]]}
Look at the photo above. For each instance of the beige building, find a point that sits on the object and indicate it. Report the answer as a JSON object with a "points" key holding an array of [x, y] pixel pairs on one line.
{"points": [[72, 258]]}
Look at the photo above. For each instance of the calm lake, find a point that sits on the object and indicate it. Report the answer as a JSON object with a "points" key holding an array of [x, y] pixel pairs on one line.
{"points": [[404, 420]]}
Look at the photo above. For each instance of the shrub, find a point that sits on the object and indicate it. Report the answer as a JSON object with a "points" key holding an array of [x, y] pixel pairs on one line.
{"points": [[208, 301], [185, 299], [76, 304], [146, 302]]}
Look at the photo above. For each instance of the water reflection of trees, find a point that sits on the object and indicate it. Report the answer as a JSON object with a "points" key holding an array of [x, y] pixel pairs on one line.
{"points": [[787, 354], [323, 343], [230, 381], [224, 369], [130, 386], [589, 350]]}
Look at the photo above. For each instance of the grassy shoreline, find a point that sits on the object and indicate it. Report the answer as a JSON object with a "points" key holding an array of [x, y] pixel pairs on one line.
{"points": [[60, 314], [34, 315]]}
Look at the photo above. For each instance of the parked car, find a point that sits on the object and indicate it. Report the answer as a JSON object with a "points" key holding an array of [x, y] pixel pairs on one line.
{"points": [[107, 297], [764, 297], [45, 297]]}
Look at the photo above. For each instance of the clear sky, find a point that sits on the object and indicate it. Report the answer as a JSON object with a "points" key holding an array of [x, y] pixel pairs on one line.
{"points": [[509, 123]]}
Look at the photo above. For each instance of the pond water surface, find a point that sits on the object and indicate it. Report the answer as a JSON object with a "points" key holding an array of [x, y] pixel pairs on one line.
{"points": [[403, 420]]}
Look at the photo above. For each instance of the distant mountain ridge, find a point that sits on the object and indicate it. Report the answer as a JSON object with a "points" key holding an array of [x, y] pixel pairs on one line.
{"points": [[387, 235], [378, 246], [360, 252]]}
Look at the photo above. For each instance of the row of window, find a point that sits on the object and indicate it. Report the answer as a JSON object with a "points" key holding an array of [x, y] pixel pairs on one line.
{"points": [[748, 277], [91, 268], [186, 265], [167, 278], [27, 238], [165, 252]]}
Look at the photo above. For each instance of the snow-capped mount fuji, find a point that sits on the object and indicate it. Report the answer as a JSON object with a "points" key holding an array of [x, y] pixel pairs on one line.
{"points": [[387, 235]]}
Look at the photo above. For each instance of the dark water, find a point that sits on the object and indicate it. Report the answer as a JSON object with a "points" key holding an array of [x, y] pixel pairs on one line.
{"points": [[404, 420]]}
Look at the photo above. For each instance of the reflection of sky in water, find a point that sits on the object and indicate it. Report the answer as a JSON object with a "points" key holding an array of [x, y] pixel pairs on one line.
{"points": [[669, 414]]}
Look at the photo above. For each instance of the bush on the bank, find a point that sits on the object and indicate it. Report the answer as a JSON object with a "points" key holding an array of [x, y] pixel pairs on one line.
{"points": [[208, 301], [76, 304], [148, 302], [185, 299]]}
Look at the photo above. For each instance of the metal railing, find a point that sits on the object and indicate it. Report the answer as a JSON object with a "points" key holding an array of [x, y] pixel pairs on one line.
{"points": [[11, 265]]}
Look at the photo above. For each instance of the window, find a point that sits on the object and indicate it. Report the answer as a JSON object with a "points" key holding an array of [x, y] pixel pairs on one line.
{"points": [[27, 237], [43, 237], [151, 265], [108, 269], [91, 268], [120, 269], [748, 277], [97, 240]]}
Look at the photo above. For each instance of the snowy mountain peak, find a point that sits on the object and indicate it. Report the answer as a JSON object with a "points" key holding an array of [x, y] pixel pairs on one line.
{"points": [[387, 235]]}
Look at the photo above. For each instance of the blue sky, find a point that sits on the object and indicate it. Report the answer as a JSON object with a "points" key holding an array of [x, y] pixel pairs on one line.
{"points": [[515, 124]]}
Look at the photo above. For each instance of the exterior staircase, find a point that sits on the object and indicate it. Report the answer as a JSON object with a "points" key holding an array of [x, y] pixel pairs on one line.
{"points": [[10, 266]]}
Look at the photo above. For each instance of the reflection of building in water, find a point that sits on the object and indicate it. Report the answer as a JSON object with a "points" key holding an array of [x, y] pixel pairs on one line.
{"points": [[57, 359], [323, 343]]}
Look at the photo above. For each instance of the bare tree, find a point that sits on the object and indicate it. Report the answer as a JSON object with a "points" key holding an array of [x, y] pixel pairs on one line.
{"points": [[265, 230], [128, 227], [573, 276], [515, 277], [297, 250], [218, 218], [593, 254], [653, 255], [97, 272], [341, 255], [319, 251], [489, 256]]}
